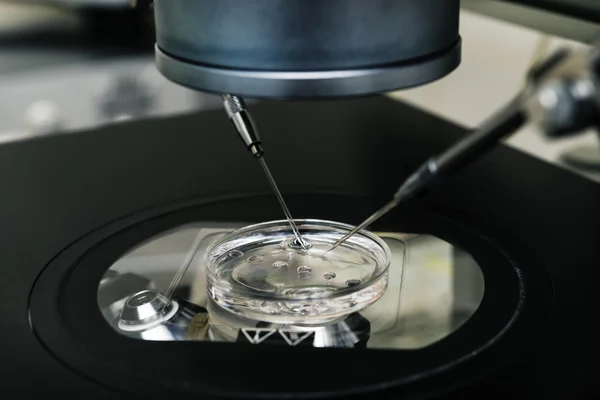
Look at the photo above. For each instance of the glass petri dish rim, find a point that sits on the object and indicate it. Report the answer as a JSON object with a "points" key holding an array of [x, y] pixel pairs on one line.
{"points": [[209, 261]]}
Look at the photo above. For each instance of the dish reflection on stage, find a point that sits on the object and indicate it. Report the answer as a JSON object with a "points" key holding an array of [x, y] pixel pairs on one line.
{"points": [[434, 288]]}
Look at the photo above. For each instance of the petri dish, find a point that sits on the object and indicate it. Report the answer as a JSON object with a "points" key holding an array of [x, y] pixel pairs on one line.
{"points": [[262, 273]]}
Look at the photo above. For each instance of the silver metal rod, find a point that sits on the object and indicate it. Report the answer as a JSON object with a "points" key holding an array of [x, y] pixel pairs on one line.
{"points": [[235, 107], [284, 207], [184, 267], [238, 114]]}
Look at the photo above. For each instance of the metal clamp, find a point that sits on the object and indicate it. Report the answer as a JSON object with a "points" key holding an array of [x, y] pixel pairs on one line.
{"points": [[563, 96]]}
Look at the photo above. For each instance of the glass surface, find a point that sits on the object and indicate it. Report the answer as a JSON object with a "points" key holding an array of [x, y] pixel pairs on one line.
{"points": [[433, 288], [261, 272]]}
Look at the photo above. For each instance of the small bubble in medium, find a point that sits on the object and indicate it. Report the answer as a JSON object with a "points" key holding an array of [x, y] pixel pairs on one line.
{"points": [[329, 275], [280, 265], [235, 254], [253, 260], [353, 282], [305, 309], [304, 270]]}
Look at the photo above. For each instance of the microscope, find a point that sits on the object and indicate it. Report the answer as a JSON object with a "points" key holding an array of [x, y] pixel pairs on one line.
{"points": [[318, 57], [490, 286]]}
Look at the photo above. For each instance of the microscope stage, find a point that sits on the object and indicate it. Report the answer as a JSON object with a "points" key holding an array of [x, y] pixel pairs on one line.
{"points": [[75, 205]]}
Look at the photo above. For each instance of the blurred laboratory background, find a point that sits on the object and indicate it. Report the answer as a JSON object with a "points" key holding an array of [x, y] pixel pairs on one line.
{"points": [[70, 65]]}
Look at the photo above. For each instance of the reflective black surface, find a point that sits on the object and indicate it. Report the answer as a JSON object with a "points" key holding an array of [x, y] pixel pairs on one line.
{"points": [[515, 288], [433, 288], [91, 189]]}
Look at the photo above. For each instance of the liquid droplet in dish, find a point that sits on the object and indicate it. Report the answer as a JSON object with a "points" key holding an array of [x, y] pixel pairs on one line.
{"points": [[329, 275], [352, 282], [253, 260], [279, 265], [304, 270], [235, 254]]}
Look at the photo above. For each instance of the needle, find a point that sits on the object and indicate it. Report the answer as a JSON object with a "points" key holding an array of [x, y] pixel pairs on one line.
{"points": [[284, 207], [374, 217], [239, 115], [455, 158]]}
